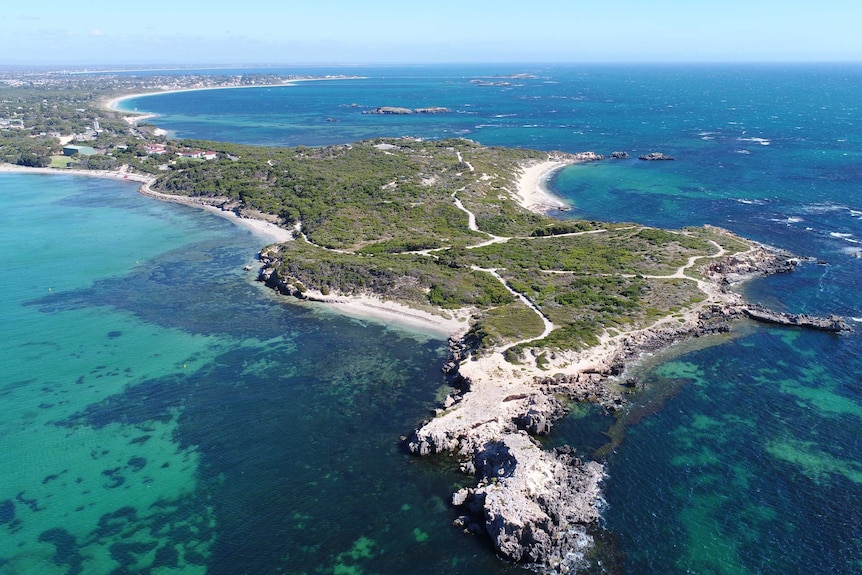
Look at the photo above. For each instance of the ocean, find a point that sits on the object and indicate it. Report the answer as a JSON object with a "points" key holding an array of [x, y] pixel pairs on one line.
{"points": [[166, 414]]}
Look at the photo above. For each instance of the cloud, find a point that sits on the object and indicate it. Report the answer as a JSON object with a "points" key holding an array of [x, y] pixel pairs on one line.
{"points": [[96, 32]]}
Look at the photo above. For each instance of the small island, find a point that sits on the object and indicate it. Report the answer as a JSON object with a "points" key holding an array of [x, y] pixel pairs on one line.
{"points": [[397, 111], [655, 157]]}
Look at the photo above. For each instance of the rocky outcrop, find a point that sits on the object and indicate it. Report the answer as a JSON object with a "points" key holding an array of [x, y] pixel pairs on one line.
{"points": [[655, 156], [489, 83], [619, 155], [757, 262], [268, 274], [538, 507], [534, 504], [587, 157], [394, 110], [831, 323]]}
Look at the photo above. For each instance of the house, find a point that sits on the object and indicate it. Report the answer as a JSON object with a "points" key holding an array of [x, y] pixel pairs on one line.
{"points": [[156, 149], [198, 154]]}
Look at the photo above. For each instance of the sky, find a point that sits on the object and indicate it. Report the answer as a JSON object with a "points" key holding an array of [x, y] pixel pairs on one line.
{"points": [[199, 32]]}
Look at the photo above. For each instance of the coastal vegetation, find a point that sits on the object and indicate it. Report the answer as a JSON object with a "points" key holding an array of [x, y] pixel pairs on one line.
{"points": [[442, 226], [376, 195], [415, 221]]}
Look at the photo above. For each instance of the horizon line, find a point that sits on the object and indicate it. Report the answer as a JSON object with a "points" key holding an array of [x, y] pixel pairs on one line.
{"points": [[154, 67]]}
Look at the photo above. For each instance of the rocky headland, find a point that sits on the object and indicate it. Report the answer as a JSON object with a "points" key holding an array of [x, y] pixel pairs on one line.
{"points": [[540, 507]]}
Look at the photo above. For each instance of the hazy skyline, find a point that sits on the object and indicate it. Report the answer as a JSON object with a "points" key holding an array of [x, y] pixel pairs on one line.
{"points": [[99, 32]]}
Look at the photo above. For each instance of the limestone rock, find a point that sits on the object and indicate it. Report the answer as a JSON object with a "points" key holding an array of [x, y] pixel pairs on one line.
{"points": [[655, 156]]}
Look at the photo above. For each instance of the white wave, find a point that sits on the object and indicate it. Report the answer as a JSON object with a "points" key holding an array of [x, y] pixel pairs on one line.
{"points": [[824, 208], [744, 152], [750, 202], [840, 235], [761, 141], [856, 319], [788, 220], [504, 115], [855, 252], [855, 213]]}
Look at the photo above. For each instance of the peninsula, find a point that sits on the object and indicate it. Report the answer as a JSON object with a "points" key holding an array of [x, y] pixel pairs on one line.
{"points": [[454, 235], [541, 311]]}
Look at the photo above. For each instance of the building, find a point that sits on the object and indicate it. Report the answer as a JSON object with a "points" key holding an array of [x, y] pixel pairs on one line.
{"points": [[82, 150], [198, 154]]}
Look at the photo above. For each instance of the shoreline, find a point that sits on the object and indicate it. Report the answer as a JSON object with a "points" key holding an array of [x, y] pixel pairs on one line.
{"points": [[113, 102], [391, 312], [360, 307], [533, 191], [261, 228], [108, 174], [540, 507]]}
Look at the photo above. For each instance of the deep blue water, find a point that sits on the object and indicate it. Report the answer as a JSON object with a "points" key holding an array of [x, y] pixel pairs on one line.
{"points": [[741, 456]]}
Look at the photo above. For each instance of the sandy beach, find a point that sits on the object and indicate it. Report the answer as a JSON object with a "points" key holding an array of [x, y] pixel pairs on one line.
{"points": [[390, 312], [113, 175], [532, 192], [266, 230]]}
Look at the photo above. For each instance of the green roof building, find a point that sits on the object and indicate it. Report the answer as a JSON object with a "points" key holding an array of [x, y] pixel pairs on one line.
{"points": [[83, 150]]}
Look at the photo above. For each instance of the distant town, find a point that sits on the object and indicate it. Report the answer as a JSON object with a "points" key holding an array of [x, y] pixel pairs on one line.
{"points": [[65, 119]]}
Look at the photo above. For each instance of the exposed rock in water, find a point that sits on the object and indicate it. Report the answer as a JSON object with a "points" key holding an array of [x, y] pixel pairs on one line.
{"points": [[395, 110], [535, 505], [655, 156], [831, 323], [619, 155]]}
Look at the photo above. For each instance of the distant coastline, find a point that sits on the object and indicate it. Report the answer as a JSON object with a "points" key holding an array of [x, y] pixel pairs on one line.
{"points": [[114, 102]]}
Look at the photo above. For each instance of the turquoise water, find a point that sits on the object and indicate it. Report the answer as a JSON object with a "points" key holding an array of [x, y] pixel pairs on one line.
{"points": [[280, 425], [165, 414]]}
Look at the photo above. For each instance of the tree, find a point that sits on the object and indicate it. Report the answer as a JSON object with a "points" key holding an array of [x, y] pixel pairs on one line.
{"points": [[31, 160]]}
